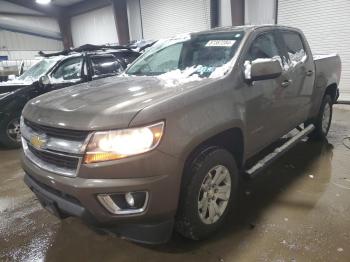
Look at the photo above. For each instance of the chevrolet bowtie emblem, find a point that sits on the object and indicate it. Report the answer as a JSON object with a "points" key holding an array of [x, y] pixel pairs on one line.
{"points": [[38, 142]]}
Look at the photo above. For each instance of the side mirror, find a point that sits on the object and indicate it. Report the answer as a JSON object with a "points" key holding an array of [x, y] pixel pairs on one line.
{"points": [[44, 80], [262, 69]]}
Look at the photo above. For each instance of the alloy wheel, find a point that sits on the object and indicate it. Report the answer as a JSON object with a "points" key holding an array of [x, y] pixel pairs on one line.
{"points": [[214, 194], [14, 131]]}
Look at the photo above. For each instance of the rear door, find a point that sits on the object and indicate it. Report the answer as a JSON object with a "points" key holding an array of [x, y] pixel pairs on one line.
{"points": [[266, 116], [301, 70]]}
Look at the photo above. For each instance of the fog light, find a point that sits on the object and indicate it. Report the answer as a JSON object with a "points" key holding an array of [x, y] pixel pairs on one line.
{"points": [[130, 199], [124, 203]]}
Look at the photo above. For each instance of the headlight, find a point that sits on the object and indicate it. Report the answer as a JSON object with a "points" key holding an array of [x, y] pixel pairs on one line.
{"points": [[112, 145]]}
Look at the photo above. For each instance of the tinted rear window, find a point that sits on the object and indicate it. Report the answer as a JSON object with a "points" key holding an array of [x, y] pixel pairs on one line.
{"points": [[105, 65], [294, 45]]}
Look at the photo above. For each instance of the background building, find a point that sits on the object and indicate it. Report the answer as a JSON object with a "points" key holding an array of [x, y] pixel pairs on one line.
{"points": [[26, 28]]}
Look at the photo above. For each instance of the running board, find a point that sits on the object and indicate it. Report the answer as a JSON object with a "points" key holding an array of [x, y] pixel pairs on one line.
{"points": [[279, 151]]}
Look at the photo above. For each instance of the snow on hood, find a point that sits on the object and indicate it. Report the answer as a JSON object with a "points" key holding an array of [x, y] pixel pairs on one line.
{"points": [[190, 74], [222, 70], [28, 81], [177, 77]]}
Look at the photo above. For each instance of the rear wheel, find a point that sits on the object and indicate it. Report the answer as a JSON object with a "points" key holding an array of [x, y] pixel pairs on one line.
{"points": [[10, 132], [323, 120], [209, 189]]}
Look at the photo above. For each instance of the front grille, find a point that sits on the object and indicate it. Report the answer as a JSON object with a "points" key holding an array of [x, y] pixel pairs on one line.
{"points": [[66, 134], [62, 161]]}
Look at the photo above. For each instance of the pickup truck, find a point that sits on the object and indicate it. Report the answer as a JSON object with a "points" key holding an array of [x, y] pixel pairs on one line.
{"points": [[56, 71], [163, 146]]}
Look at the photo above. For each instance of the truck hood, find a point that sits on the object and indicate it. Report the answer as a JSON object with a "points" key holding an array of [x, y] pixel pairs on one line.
{"points": [[108, 103]]}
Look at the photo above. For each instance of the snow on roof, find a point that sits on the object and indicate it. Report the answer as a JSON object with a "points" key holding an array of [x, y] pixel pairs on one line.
{"points": [[322, 56]]}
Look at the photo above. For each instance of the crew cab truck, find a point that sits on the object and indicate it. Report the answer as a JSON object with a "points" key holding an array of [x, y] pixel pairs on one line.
{"points": [[163, 145]]}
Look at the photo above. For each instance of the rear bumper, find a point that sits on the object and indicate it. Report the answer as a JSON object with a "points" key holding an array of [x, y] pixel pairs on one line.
{"points": [[67, 196]]}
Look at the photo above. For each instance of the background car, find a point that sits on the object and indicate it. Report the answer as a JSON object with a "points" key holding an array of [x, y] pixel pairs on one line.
{"points": [[55, 71]]}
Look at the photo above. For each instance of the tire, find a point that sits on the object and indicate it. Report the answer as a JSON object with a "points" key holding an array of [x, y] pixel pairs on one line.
{"points": [[323, 120], [10, 135], [192, 221]]}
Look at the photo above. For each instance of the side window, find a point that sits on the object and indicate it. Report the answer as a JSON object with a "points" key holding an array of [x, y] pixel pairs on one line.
{"points": [[70, 70], [264, 46], [105, 65], [294, 47]]}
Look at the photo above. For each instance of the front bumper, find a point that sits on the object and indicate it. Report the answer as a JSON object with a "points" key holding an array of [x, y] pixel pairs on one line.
{"points": [[77, 196]]}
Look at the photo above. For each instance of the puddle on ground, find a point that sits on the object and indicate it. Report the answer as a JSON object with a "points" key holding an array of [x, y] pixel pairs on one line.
{"points": [[297, 210]]}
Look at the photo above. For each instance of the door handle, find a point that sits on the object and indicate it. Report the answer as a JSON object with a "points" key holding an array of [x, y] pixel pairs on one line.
{"points": [[309, 73], [286, 83]]}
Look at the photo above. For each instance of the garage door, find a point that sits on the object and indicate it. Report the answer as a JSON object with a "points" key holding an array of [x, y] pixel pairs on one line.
{"points": [[166, 18], [326, 25], [95, 27]]}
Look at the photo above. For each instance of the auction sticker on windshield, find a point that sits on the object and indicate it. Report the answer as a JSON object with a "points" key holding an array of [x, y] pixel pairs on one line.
{"points": [[220, 43]]}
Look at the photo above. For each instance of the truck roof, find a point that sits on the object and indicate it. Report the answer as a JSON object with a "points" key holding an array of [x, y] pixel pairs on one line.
{"points": [[245, 28]]}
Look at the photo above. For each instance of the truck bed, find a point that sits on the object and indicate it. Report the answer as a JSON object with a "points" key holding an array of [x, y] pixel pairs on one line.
{"points": [[328, 69]]}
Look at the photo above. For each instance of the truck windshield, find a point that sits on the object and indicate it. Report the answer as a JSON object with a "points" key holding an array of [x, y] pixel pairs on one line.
{"points": [[39, 69], [200, 54]]}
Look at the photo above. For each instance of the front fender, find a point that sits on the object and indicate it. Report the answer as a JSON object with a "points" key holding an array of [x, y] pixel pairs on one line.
{"points": [[13, 104], [195, 116]]}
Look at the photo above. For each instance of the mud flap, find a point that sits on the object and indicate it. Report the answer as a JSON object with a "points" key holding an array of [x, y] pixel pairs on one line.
{"points": [[153, 234], [48, 204]]}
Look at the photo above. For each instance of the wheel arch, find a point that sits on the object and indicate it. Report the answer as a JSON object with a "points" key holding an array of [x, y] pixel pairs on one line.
{"points": [[231, 139], [332, 90]]}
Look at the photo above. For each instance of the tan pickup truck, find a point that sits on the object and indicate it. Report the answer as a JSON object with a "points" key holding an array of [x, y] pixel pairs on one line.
{"points": [[163, 145]]}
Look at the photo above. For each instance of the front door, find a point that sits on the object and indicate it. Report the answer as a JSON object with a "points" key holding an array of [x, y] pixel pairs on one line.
{"points": [[69, 72], [265, 115]]}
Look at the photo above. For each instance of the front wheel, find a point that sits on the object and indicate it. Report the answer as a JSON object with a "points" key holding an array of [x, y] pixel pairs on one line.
{"points": [[209, 189], [323, 120], [10, 132]]}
